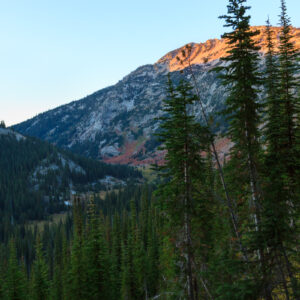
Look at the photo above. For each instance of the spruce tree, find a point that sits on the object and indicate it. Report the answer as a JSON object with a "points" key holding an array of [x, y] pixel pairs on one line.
{"points": [[288, 84], [275, 216], [115, 258], [290, 107], [152, 248], [241, 77], [272, 101], [40, 274], [289, 141], [76, 272], [57, 278], [243, 110], [15, 281], [126, 292], [95, 257], [183, 140], [66, 265]]}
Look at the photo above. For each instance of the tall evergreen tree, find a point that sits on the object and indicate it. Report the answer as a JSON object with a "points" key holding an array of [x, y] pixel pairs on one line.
{"points": [[15, 280], [241, 76], [115, 258], [243, 110], [183, 140], [289, 82], [288, 145], [76, 272], [40, 274], [126, 292], [95, 257], [272, 103], [275, 216]]}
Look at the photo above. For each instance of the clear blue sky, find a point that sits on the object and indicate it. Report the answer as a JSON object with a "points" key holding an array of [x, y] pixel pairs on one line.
{"points": [[56, 51]]}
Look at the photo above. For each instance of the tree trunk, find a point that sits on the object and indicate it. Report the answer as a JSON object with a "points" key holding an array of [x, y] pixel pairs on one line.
{"points": [[221, 173], [187, 227]]}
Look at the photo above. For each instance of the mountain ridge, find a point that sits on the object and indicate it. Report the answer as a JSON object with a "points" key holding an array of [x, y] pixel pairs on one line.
{"points": [[214, 49], [117, 124]]}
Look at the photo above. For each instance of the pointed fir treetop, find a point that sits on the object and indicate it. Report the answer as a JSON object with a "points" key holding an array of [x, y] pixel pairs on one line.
{"points": [[239, 21], [288, 54]]}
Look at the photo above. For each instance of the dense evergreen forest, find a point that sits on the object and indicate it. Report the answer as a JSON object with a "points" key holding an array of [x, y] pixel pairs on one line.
{"points": [[213, 228], [36, 179]]}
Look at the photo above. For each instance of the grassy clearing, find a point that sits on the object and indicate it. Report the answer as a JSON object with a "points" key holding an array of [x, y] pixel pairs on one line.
{"points": [[53, 219], [148, 173]]}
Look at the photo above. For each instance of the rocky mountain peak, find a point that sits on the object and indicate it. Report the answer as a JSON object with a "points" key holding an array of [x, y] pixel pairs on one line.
{"points": [[214, 49]]}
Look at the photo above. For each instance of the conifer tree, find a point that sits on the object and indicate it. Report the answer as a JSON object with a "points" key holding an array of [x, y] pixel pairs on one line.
{"points": [[243, 110], [288, 147], [76, 272], [275, 216], [15, 281], [152, 248], [139, 267], [40, 274], [289, 82], [136, 254], [115, 258], [290, 106], [126, 292], [95, 257], [183, 139], [272, 103], [241, 76], [66, 265], [57, 283]]}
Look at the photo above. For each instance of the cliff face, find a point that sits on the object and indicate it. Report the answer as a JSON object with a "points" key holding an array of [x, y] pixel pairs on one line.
{"points": [[117, 124], [216, 48]]}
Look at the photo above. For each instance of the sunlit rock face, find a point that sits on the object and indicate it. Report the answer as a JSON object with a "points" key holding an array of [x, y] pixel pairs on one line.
{"points": [[117, 124], [215, 48]]}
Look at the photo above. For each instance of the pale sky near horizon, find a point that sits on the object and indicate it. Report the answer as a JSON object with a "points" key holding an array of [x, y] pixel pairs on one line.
{"points": [[56, 51]]}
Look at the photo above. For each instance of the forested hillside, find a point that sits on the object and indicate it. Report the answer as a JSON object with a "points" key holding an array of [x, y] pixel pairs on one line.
{"points": [[36, 178]]}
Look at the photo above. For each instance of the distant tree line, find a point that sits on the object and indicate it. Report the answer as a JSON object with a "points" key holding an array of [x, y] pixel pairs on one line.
{"points": [[26, 194]]}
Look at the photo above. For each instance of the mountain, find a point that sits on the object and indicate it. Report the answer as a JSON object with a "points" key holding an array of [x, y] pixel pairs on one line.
{"points": [[36, 178], [117, 124], [215, 48]]}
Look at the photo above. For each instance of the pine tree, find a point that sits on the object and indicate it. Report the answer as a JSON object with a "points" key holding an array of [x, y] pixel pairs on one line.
{"points": [[152, 260], [272, 103], [288, 146], [15, 281], [288, 59], [139, 267], [183, 140], [2, 124], [115, 258], [95, 258], [290, 106], [275, 216], [242, 106], [243, 110], [57, 280], [40, 274], [77, 271], [66, 265], [126, 292], [135, 254]]}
